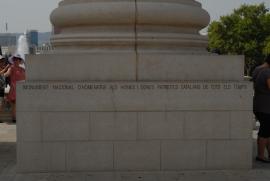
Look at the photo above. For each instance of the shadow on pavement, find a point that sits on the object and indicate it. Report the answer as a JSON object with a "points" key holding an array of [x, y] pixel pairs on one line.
{"points": [[7, 158]]}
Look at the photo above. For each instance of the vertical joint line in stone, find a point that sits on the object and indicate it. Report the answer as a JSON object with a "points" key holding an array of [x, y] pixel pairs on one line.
{"points": [[114, 156], [66, 156], [113, 100], [160, 155], [230, 125], [184, 124], [90, 126], [41, 125], [136, 38], [206, 154], [137, 124]]}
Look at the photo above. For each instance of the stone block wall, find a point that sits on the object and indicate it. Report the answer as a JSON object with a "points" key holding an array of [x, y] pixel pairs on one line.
{"points": [[132, 66], [139, 126]]}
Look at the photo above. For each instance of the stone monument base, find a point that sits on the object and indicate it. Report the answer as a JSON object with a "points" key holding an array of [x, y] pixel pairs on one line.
{"points": [[111, 97], [134, 126]]}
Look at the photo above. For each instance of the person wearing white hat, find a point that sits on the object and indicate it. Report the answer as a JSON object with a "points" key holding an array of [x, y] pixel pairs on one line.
{"points": [[16, 72]]}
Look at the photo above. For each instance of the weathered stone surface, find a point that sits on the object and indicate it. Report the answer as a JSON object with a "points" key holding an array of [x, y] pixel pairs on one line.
{"points": [[130, 87], [176, 66], [183, 155], [40, 157], [229, 154], [89, 156], [157, 25], [241, 124], [143, 156], [207, 125], [127, 66], [30, 126], [160, 125], [65, 126], [81, 67], [113, 126], [123, 124]]}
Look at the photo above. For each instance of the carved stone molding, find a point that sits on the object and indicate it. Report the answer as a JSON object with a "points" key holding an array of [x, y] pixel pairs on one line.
{"points": [[141, 25]]}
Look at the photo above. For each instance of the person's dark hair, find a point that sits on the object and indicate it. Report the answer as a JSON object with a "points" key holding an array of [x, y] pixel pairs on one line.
{"points": [[267, 59]]}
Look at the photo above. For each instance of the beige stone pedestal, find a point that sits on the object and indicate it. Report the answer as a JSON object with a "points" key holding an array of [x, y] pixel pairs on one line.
{"points": [[131, 89]]}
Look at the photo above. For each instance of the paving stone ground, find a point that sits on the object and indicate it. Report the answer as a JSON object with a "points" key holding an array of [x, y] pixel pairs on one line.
{"points": [[260, 171]]}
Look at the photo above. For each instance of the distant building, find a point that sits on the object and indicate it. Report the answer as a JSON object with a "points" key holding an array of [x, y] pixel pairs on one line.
{"points": [[32, 37], [32, 40], [7, 39], [8, 43]]}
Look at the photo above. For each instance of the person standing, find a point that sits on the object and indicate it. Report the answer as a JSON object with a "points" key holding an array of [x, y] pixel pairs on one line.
{"points": [[16, 72], [3, 68], [261, 108]]}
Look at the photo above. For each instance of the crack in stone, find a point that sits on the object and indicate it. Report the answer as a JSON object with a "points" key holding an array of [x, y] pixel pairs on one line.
{"points": [[136, 38]]}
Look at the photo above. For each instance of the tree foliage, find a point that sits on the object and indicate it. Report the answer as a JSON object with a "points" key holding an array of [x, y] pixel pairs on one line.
{"points": [[244, 32]]}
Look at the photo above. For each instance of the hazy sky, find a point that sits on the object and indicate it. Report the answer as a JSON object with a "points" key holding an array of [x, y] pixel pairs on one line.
{"points": [[34, 14]]}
